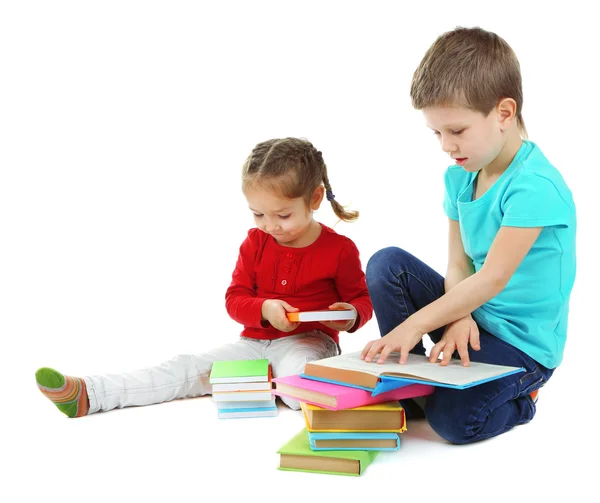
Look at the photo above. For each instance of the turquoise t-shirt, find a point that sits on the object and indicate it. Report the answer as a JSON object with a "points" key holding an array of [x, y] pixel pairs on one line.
{"points": [[531, 312]]}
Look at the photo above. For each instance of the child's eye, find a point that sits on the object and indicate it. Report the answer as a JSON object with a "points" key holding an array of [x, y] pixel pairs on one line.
{"points": [[283, 217], [436, 133], [258, 215], [458, 132]]}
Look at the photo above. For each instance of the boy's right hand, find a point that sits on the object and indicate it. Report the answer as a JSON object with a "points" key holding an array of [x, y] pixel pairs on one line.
{"points": [[274, 311], [457, 336]]}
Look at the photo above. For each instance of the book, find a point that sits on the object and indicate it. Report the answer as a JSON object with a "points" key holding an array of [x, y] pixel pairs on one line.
{"points": [[230, 371], [242, 386], [296, 455], [337, 397], [241, 396], [381, 417], [349, 370], [247, 404], [353, 440], [246, 412], [323, 315]]}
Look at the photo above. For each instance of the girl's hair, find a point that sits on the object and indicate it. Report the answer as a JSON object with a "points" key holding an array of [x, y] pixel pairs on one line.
{"points": [[469, 67], [293, 168]]}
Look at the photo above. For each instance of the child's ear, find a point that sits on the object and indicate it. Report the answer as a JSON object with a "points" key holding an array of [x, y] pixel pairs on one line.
{"points": [[507, 112], [317, 198]]}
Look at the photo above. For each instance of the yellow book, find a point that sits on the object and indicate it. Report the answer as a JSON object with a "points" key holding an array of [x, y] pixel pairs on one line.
{"points": [[386, 416]]}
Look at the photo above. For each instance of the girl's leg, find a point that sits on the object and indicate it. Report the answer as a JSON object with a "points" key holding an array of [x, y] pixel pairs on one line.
{"points": [[399, 285], [184, 376], [487, 410], [289, 355]]}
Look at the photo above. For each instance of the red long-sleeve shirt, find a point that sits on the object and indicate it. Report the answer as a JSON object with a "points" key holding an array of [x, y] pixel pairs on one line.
{"points": [[310, 278]]}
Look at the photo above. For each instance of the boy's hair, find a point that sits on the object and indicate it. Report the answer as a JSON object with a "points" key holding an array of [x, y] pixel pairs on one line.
{"points": [[469, 67], [293, 168]]}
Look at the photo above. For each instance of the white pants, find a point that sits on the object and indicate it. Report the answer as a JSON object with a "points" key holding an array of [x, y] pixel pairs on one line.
{"points": [[187, 376]]}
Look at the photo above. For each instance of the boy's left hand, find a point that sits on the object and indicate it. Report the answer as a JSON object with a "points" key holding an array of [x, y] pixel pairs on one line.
{"points": [[342, 325]]}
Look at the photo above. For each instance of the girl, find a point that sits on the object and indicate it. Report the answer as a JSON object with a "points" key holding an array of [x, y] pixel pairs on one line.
{"points": [[288, 263], [511, 262]]}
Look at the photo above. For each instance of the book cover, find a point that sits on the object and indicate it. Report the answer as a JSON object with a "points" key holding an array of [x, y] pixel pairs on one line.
{"points": [[382, 417], [229, 371], [246, 404], [296, 455], [243, 413], [352, 440], [241, 396], [242, 386], [323, 315], [349, 369], [336, 397]]}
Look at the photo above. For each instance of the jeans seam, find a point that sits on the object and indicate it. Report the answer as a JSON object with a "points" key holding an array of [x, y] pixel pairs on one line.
{"points": [[150, 388]]}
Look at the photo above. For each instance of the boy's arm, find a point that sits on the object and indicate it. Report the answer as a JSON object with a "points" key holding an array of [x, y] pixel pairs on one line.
{"points": [[460, 265], [509, 248]]}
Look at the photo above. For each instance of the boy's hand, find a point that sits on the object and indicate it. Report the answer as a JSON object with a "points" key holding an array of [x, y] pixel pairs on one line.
{"points": [[274, 311], [457, 336], [341, 325], [403, 338]]}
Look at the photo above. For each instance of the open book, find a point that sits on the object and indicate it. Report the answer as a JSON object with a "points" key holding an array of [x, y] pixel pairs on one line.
{"points": [[350, 370]]}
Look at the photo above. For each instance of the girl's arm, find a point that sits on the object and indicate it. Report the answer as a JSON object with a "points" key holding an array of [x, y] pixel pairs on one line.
{"points": [[351, 285], [241, 301]]}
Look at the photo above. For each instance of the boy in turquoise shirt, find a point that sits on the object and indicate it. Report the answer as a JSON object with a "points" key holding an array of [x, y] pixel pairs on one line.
{"points": [[511, 267]]}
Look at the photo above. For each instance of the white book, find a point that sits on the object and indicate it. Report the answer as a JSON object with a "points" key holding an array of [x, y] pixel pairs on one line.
{"points": [[350, 369], [242, 386], [324, 315], [242, 396], [243, 414], [246, 405]]}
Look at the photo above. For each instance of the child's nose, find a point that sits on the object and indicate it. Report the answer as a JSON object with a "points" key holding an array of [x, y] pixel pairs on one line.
{"points": [[448, 144]]}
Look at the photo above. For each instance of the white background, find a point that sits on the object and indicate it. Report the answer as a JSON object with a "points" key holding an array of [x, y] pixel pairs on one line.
{"points": [[124, 126]]}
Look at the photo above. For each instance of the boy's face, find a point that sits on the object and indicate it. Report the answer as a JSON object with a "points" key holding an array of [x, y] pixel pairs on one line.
{"points": [[287, 220], [471, 139]]}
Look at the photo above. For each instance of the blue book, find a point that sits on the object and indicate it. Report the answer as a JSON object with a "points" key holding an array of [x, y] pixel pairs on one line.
{"points": [[247, 412], [353, 441], [349, 370]]}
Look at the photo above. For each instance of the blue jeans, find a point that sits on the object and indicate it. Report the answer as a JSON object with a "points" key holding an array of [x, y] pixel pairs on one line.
{"points": [[399, 285]]}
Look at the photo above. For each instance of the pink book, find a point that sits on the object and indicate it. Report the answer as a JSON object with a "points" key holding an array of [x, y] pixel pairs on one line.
{"points": [[337, 397]]}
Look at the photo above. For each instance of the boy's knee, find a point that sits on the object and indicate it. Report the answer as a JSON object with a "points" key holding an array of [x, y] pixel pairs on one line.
{"points": [[381, 263], [448, 421]]}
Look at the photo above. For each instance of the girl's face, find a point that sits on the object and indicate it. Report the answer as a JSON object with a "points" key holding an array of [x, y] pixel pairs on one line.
{"points": [[471, 139], [289, 221]]}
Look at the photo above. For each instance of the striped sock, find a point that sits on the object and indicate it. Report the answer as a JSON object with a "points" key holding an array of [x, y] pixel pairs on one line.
{"points": [[69, 394]]}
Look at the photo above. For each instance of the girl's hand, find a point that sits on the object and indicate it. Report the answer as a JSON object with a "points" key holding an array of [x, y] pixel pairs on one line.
{"points": [[341, 325], [274, 311], [403, 338], [457, 336]]}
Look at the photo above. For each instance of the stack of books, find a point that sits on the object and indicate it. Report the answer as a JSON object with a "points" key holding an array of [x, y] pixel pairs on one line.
{"points": [[242, 388], [351, 407], [345, 427]]}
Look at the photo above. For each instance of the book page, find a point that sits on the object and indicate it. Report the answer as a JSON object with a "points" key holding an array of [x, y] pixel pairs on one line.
{"points": [[419, 367]]}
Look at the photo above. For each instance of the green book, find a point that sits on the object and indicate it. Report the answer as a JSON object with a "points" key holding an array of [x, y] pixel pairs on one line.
{"points": [[225, 371], [296, 455]]}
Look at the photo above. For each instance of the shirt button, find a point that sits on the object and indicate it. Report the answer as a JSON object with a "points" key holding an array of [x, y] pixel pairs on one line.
{"points": [[284, 282], [286, 269], [289, 255]]}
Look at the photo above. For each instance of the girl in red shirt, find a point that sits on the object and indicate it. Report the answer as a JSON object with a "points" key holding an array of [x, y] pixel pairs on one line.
{"points": [[288, 263]]}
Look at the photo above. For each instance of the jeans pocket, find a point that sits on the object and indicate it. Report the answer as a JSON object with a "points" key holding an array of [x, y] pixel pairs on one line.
{"points": [[532, 381]]}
